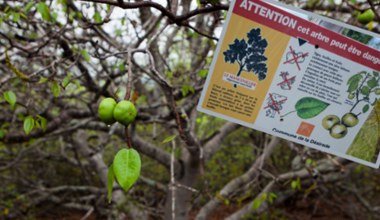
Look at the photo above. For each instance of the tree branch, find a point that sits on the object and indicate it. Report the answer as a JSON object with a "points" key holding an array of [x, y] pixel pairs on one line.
{"points": [[214, 144], [238, 182], [172, 17], [323, 166], [155, 152]]}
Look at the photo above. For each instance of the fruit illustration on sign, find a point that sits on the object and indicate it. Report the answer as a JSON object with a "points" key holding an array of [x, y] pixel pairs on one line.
{"points": [[338, 131], [350, 119], [363, 90], [329, 121]]}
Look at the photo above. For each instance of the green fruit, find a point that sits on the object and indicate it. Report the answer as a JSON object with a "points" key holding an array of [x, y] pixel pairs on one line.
{"points": [[105, 110], [338, 131], [350, 120], [125, 112], [366, 17], [377, 91], [329, 121], [351, 96]]}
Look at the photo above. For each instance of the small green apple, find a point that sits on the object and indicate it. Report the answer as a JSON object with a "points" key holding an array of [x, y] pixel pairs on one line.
{"points": [[125, 112], [105, 110]]}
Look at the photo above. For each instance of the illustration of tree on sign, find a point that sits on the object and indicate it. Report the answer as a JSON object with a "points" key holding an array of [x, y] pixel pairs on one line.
{"points": [[249, 55]]}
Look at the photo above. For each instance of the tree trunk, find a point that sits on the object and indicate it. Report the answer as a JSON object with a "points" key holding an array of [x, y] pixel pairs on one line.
{"points": [[182, 198], [238, 74]]}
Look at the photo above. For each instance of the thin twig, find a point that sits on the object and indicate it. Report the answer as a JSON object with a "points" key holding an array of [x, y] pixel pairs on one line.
{"points": [[172, 179], [129, 80], [128, 137]]}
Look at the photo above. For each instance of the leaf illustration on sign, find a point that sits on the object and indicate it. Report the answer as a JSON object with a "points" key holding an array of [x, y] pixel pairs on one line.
{"points": [[363, 90], [308, 107], [249, 54], [353, 82]]}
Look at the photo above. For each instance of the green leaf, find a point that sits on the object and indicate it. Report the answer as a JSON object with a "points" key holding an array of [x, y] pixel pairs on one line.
{"points": [[169, 74], [365, 108], [118, 32], [37, 123], [310, 162], [198, 3], [264, 197], [353, 82], [186, 89], [23, 16], [226, 202], [294, 184], [110, 180], [7, 9], [66, 80], [85, 55], [309, 107], [44, 10], [29, 6], [365, 90], [28, 124], [43, 80], [203, 73], [43, 122], [168, 139], [126, 167], [272, 197], [121, 67], [11, 98], [16, 17], [62, 2], [56, 89], [256, 204], [97, 17], [376, 74], [372, 83], [54, 15], [2, 134]]}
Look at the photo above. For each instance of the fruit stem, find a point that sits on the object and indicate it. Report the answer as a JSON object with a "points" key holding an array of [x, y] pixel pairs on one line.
{"points": [[129, 140], [288, 113], [356, 104]]}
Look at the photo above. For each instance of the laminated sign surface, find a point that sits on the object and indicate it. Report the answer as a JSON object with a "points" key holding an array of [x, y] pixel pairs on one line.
{"points": [[299, 76]]}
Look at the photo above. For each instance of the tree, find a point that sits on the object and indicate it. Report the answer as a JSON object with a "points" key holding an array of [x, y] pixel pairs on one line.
{"points": [[249, 55], [59, 58]]}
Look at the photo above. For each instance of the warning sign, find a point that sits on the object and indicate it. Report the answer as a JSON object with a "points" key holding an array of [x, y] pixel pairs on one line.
{"points": [[298, 76]]}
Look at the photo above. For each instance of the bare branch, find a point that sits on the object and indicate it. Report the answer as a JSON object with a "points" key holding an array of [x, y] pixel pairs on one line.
{"points": [[213, 144], [148, 4], [323, 167], [238, 182]]}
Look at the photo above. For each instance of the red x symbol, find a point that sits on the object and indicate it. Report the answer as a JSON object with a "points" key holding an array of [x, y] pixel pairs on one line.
{"points": [[295, 57], [275, 105], [287, 81]]}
